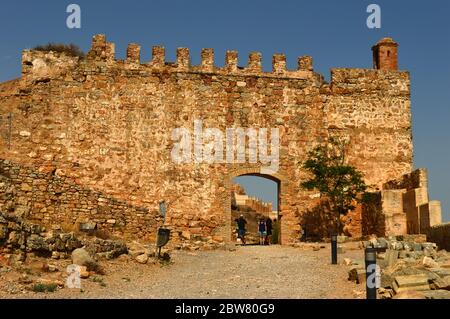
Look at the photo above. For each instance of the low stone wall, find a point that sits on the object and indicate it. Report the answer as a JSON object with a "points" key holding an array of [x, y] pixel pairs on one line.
{"points": [[19, 237], [50, 200], [440, 234]]}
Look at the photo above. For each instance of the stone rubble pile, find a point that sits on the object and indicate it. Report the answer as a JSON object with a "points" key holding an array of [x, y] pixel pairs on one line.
{"points": [[410, 268], [19, 238]]}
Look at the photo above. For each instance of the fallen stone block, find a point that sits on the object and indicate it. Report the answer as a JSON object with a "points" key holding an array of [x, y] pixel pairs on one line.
{"points": [[441, 272], [441, 284], [437, 294], [411, 294], [391, 257], [429, 262], [412, 282]]}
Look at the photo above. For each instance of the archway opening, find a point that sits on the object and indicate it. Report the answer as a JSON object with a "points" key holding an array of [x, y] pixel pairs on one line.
{"points": [[256, 197]]}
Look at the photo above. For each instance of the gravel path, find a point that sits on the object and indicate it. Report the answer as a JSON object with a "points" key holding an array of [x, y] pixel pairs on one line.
{"points": [[247, 272], [257, 272]]}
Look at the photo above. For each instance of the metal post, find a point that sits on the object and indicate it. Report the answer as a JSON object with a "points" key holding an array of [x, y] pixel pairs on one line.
{"points": [[371, 272], [334, 249]]}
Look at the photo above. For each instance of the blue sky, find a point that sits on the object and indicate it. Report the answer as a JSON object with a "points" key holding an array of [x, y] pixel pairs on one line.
{"points": [[333, 32]]}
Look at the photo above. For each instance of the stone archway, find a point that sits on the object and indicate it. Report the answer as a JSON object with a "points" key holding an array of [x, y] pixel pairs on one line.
{"points": [[279, 178]]}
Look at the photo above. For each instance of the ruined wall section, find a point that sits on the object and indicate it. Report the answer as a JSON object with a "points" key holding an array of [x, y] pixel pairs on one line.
{"points": [[371, 108], [413, 201], [440, 234], [52, 201]]}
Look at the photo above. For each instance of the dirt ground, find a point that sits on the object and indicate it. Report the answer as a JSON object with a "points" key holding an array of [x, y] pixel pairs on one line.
{"points": [[247, 272]]}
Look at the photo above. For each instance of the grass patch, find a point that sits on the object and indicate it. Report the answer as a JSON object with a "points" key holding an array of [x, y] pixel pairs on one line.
{"points": [[98, 280], [44, 287]]}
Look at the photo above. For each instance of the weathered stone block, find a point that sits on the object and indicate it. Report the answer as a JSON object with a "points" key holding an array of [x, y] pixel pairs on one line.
{"points": [[411, 282]]}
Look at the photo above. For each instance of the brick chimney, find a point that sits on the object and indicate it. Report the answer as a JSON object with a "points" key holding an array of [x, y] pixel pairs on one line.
{"points": [[385, 55]]}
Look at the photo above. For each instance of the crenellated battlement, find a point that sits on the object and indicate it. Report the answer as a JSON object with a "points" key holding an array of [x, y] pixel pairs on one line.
{"points": [[43, 66], [103, 52]]}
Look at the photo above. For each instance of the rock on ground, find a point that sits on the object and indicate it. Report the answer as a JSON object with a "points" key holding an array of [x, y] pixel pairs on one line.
{"points": [[81, 257]]}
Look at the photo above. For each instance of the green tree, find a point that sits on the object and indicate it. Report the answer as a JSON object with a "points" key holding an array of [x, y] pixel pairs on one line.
{"points": [[335, 180]]}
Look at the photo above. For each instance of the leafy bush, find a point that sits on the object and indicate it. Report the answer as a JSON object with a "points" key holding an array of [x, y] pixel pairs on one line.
{"points": [[70, 49]]}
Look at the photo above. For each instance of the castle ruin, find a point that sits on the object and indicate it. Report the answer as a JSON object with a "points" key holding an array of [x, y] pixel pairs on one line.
{"points": [[88, 140]]}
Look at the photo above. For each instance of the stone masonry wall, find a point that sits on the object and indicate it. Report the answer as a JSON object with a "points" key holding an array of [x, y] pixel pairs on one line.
{"points": [[50, 200], [440, 234], [406, 198], [106, 124]]}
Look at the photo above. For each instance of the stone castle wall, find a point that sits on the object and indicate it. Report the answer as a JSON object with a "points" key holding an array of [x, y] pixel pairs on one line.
{"points": [[50, 200], [252, 203], [106, 124]]}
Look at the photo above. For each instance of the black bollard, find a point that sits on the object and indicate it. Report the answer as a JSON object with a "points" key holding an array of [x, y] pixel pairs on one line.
{"points": [[371, 272], [334, 249]]}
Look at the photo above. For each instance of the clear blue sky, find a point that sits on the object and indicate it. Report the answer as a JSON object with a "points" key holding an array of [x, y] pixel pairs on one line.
{"points": [[333, 32]]}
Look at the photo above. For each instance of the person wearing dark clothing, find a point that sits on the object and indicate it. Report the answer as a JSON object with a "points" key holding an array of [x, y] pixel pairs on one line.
{"points": [[262, 229], [241, 222], [269, 231]]}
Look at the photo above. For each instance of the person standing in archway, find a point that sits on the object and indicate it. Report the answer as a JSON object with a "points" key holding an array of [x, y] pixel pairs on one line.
{"points": [[241, 222], [262, 229]]}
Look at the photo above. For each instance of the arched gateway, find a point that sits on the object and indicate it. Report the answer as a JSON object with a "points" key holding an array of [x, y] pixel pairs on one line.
{"points": [[276, 177]]}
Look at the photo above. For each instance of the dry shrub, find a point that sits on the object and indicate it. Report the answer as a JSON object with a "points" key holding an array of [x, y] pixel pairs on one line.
{"points": [[69, 49]]}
